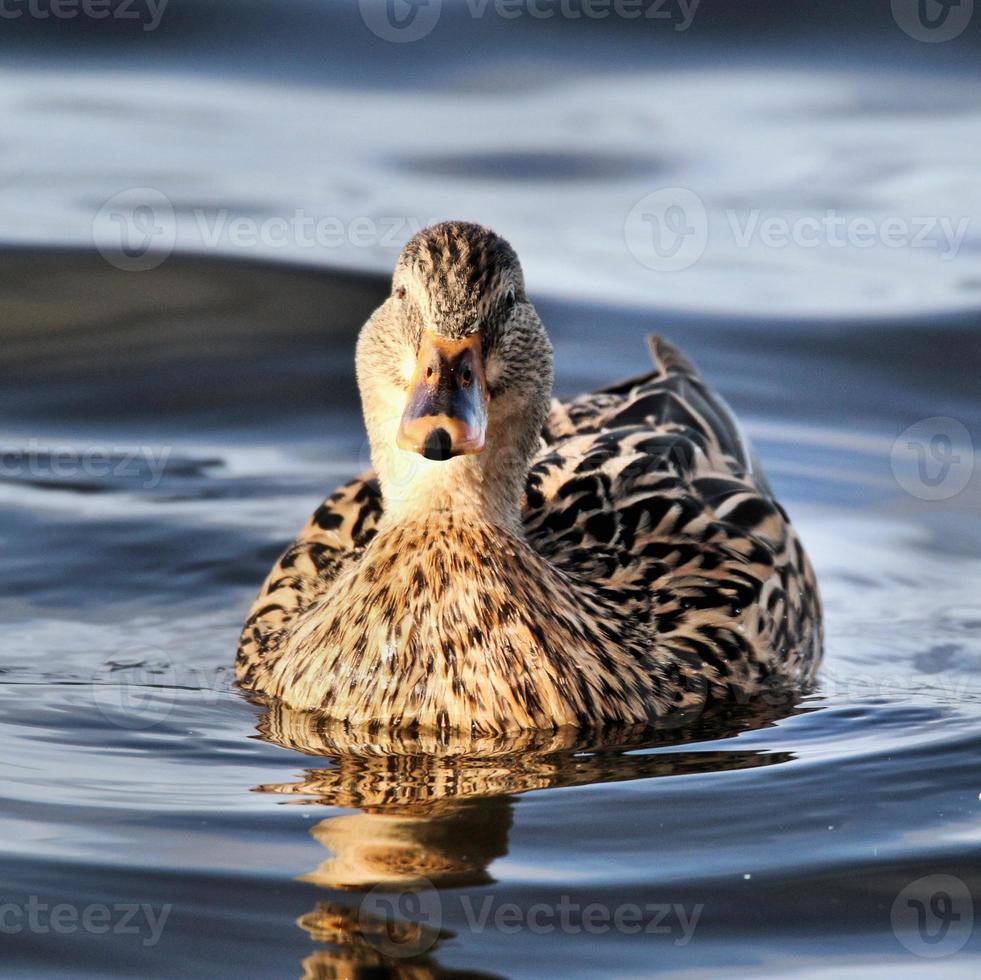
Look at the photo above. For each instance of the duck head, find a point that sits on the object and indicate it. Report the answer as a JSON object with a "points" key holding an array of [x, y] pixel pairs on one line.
{"points": [[455, 374]]}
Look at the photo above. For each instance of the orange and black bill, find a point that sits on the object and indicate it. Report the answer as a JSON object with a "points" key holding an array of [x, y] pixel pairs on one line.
{"points": [[446, 414]]}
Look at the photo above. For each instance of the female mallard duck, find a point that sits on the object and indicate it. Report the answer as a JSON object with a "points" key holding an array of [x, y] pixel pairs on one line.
{"points": [[526, 563]]}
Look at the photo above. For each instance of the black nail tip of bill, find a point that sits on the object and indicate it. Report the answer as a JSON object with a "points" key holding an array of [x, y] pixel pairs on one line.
{"points": [[438, 445]]}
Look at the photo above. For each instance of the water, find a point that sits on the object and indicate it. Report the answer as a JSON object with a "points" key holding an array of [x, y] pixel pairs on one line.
{"points": [[165, 432]]}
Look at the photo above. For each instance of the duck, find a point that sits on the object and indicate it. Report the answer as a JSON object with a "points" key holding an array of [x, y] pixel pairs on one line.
{"points": [[515, 562]]}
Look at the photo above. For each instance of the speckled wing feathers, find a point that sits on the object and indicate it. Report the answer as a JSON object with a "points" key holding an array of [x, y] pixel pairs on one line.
{"points": [[654, 474]]}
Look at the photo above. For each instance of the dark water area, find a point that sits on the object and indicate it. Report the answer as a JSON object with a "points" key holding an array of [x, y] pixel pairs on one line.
{"points": [[327, 42], [167, 426]]}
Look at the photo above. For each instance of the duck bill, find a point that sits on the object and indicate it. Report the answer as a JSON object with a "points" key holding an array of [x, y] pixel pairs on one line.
{"points": [[446, 411]]}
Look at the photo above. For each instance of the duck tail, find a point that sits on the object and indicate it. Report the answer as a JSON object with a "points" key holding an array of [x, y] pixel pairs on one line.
{"points": [[667, 358]]}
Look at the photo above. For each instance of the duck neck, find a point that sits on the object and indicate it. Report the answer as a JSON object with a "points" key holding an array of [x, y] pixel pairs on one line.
{"points": [[461, 492]]}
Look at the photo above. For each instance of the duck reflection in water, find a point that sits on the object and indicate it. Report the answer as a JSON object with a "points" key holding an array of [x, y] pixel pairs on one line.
{"points": [[435, 811]]}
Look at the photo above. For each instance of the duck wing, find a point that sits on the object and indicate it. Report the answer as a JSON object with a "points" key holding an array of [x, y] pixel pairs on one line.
{"points": [[671, 397], [649, 491]]}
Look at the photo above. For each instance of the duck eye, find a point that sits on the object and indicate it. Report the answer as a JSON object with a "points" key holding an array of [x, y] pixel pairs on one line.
{"points": [[400, 292]]}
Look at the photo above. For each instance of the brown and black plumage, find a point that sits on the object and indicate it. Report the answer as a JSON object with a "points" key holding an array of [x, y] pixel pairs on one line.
{"points": [[515, 562]]}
